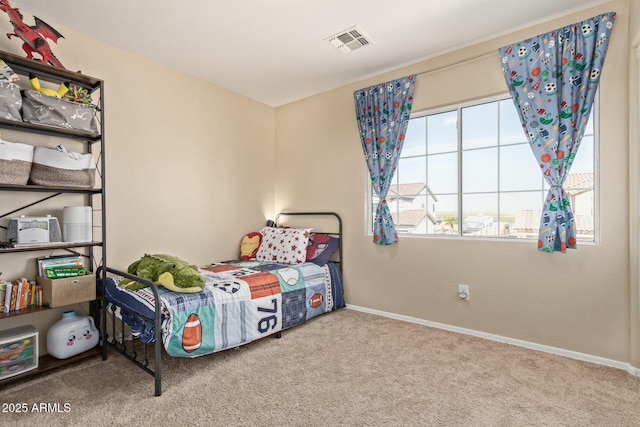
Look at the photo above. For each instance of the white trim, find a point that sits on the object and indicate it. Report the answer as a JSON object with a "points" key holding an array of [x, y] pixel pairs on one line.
{"points": [[506, 340], [458, 107]]}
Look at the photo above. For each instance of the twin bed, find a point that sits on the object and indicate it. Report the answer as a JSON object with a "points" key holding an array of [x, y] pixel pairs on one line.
{"points": [[243, 300]]}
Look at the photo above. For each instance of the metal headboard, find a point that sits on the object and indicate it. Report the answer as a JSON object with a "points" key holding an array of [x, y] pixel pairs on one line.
{"points": [[337, 233]]}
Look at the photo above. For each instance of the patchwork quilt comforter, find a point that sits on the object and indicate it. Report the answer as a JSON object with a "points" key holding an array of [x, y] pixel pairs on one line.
{"points": [[242, 301]]}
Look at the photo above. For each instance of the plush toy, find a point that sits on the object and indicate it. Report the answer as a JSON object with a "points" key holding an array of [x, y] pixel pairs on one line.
{"points": [[167, 271], [62, 89], [78, 94], [249, 245]]}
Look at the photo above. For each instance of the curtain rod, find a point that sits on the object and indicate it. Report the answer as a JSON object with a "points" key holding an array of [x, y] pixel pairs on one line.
{"points": [[461, 61]]}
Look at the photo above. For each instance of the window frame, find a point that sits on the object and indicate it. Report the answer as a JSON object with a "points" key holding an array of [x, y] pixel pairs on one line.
{"points": [[458, 107]]}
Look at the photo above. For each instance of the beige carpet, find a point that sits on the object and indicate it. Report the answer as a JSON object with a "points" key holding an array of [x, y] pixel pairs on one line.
{"points": [[343, 368]]}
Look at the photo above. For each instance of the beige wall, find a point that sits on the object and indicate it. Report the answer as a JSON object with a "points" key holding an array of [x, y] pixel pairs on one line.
{"points": [[634, 188], [577, 301], [190, 166], [634, 23]]}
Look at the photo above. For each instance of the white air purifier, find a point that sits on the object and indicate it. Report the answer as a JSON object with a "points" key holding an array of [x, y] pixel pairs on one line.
{"points": [[76, 224]]}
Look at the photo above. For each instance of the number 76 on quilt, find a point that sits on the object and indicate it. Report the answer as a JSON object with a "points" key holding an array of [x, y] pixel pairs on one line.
{"points": [[268, 315]]}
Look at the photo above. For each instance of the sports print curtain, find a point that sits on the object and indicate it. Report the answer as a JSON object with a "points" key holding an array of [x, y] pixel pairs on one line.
{"points": [[553, 79], [382, 112]]}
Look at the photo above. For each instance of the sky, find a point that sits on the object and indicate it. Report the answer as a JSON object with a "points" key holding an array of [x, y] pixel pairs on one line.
{"points": [[496, 157]]}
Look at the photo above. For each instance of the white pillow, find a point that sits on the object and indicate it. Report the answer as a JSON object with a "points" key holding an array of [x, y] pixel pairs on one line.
{"points": [[284, 245]]}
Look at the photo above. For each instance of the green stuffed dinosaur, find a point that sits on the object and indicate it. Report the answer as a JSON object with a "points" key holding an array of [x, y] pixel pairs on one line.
{"points": [[167, 271]]}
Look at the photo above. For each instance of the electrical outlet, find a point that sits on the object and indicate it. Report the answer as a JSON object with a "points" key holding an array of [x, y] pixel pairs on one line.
{"points": [[463, 292]]}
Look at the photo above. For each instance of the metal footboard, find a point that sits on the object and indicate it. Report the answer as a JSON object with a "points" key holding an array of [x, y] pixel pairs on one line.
{"points": [[137, 353]]}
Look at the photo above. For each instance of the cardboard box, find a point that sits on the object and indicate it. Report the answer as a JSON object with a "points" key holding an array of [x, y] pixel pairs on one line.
{"points": [[18, 351], [61, 292]]}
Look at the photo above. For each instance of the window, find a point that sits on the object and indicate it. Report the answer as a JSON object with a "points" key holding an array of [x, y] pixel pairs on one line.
{"points": [[468, 171]]}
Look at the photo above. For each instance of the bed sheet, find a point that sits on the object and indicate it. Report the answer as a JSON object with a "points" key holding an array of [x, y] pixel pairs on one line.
{"points": [[242, 301]]}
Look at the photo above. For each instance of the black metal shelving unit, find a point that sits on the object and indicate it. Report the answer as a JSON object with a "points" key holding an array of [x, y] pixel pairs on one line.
{"points": [[88, 140]]}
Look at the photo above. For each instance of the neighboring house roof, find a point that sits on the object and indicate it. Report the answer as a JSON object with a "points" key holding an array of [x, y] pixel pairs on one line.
{"points": [[577, 183], [528, 221], [408, 191], [411, 218]]}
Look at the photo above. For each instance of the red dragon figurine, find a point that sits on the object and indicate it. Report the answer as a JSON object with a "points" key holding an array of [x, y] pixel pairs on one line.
{"points": [[34, 37]]}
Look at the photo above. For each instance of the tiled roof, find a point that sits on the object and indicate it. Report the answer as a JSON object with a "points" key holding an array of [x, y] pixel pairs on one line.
{"points": [[578, 182], [528, 221], [405, 190], [409, 218]]}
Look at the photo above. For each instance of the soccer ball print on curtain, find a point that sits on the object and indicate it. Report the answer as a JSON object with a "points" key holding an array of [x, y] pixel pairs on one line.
{"points": [[553, 79], [383, 113]]}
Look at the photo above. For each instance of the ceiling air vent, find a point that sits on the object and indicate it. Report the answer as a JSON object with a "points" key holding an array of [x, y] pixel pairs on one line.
{"points": [[349, 40]]}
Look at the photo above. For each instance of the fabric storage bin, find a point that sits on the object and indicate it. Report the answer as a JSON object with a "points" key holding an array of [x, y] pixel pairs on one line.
{"points": [[72, 290], [59, 167], [15, 162], [10, 101], [49, 110]]}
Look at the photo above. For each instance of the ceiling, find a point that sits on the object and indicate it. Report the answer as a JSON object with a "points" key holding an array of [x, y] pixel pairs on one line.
{"points": [[275, 52]]}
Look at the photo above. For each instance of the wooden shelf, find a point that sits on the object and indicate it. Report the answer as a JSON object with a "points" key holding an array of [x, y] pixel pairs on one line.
{"points": [[28, 310], [20, 63], [49, 130], [48, 247], [48, 363], [49, 189]]}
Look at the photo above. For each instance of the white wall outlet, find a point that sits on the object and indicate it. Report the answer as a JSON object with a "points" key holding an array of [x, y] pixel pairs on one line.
{"points": [[463, 292]]}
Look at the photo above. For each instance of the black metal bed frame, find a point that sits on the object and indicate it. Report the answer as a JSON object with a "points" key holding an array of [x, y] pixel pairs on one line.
{"points": [[130, 350]]}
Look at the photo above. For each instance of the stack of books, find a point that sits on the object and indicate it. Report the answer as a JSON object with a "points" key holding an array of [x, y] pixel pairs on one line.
{"points": [[61, 267], [19, 295]]}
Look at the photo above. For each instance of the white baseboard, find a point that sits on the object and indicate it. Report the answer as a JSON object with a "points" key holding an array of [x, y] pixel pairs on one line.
{"points": [[520, 343]]}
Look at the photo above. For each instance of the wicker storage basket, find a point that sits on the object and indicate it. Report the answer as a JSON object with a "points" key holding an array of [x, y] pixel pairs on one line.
{"points": [[59, 167], [15, 162]]}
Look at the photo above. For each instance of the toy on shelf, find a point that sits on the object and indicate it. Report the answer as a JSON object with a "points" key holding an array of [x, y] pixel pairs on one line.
{"points": [[78, 94], [34, 36], [71, 335], [62, 89]]}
